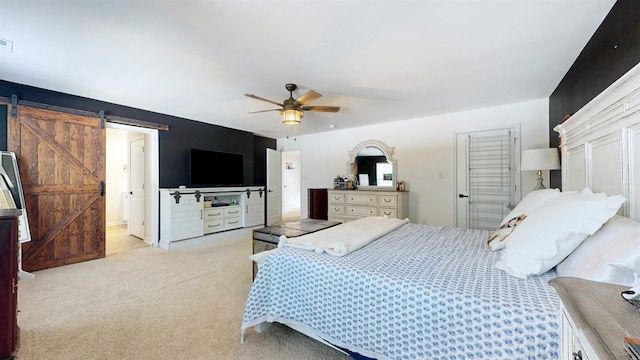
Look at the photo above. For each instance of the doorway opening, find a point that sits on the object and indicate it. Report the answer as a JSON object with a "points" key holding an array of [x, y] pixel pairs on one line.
{"points": [[130, 183], [290, 186]]}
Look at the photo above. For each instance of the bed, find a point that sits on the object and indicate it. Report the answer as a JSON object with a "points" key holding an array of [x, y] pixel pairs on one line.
{"points": [[429, 292], [419, 292]]}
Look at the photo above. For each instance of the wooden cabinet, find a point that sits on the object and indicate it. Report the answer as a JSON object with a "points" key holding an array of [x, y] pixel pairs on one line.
{"points": [[9, 332], [318, 204], [594, 319], [347, 205]]}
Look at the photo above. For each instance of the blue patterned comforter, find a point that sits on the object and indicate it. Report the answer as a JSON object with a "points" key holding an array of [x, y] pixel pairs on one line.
{"points": [[419, 292]]}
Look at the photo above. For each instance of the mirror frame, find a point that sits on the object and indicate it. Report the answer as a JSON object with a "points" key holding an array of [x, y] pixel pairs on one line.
{"points": [[388, 153]]}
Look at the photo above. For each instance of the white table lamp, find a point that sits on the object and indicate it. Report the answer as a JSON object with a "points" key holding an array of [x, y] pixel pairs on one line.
{"points": [[540, 159]]}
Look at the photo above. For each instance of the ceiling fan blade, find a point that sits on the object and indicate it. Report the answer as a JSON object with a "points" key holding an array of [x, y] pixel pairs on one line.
{"points": [[253, 112], [308, 97], [263, 99], [321, 108]]}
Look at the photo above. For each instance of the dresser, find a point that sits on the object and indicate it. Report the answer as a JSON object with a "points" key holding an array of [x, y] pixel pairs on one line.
{"points": [[595, 319], [348, 205], [9, 332]]}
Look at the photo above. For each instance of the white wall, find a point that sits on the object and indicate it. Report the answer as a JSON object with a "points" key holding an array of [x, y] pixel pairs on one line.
{"points": [[423, 148], [116, 177]]}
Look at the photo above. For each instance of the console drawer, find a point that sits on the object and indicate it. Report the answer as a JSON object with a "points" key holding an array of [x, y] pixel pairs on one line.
{"points": [[233, 211], [213, 213], [213, 225], [233, 222]]}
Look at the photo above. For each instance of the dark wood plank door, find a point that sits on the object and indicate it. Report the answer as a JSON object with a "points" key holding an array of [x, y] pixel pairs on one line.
{"points": [[61, 157], [8, 282]]}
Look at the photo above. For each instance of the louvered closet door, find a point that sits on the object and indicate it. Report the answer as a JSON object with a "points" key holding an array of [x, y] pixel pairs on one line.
{"points": [[490, 177]]}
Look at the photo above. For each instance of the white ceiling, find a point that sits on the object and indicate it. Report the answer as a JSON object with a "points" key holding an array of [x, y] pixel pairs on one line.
{"points": [[379, 61]]}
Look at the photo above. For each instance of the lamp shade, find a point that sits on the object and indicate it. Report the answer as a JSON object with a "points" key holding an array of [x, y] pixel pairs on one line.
{"points": [[540, 159], [291, 116]]}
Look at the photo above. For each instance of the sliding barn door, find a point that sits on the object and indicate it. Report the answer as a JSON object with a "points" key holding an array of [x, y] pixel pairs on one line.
{"points": [[61, 159]]}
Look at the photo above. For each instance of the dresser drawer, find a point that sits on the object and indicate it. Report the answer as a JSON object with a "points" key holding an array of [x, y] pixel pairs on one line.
{"points": [[336, 209], [362, 199], [361, 210], [388, 200], [392, 213], [336, 198]]}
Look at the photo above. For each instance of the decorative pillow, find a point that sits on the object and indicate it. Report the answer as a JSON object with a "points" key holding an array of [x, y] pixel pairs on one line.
{"points": [[496, 240], [610, 255], [530, 202], [554, 230]]}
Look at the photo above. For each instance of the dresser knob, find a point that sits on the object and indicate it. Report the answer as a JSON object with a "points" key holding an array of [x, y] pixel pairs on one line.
{"points": [[577, 355]]}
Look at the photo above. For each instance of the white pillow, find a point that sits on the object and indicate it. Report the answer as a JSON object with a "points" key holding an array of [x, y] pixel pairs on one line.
{"points": [[530, 202], [554, 230], [611, 255]]}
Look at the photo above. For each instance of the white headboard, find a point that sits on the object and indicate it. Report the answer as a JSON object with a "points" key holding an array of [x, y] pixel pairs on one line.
{"points": [[600, 144]]}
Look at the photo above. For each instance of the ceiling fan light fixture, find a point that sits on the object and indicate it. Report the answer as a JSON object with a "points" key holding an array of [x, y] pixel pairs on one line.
{"points": [[291, 117]]}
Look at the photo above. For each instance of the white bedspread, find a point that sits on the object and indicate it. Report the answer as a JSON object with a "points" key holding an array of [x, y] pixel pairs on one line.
{"points": [[419, 292], [345, 238]]}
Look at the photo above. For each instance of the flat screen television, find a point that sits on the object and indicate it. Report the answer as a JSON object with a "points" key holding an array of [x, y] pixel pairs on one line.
{"points": [[214, 168]]}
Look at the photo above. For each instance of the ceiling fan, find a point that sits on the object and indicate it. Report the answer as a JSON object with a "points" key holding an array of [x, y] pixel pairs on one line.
{"points": [[292, 109]]}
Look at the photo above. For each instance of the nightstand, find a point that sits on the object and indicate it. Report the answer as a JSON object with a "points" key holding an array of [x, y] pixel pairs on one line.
{"points": [[267, 238], [595, 319]]}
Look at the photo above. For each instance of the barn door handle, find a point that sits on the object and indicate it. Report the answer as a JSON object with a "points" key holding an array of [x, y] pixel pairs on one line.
{"points": [[101, 188]]}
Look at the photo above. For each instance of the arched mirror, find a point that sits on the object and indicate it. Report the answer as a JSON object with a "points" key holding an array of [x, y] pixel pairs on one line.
{"points": [[372, 165]]}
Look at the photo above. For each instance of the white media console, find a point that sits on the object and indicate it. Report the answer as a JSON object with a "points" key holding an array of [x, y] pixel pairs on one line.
{"points": [[194, 214]]}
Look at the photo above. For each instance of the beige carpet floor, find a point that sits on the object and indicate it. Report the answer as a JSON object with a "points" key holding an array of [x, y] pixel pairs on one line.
{"points": [[150, 303]]}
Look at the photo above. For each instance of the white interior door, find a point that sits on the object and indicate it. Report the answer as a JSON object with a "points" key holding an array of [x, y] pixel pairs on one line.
{"points": [[462, 177], [136, 187], [487, 182], [291, 180], [274, 187]]}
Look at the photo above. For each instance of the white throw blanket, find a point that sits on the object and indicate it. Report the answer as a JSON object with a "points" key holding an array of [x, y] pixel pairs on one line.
{"points": [[343, 239]]}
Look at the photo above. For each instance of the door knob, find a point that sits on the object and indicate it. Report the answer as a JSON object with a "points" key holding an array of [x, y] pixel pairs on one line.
{"points": [[462, 195]]}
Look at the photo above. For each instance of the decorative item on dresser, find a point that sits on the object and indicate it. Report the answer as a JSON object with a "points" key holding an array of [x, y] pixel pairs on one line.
{"points": [[347, 205], [595, 319], [9, 331]]}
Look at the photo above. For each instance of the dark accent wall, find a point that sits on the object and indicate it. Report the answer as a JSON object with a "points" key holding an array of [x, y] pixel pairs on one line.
{"points": [[260, 146], [612, 51], [183, 134]]}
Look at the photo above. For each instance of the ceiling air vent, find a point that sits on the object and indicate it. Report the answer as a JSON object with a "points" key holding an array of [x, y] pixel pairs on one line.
{"points": [[6, 45]]}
